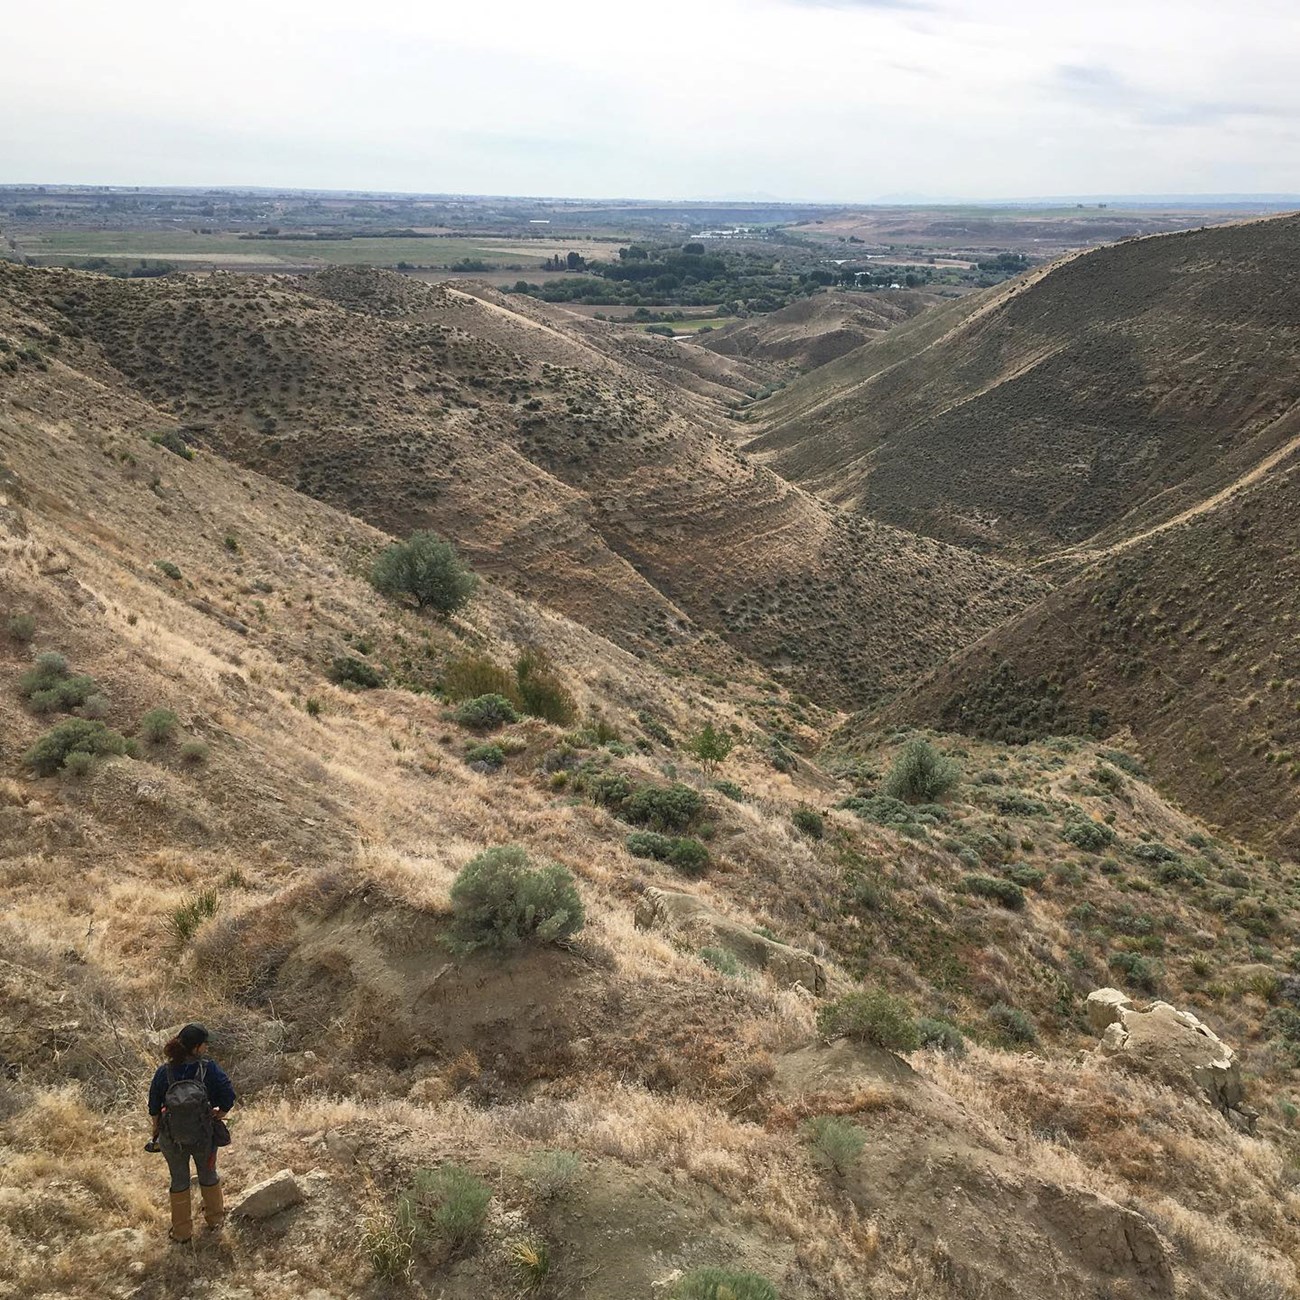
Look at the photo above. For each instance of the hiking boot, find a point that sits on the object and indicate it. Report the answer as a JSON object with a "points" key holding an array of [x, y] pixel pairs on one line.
{"points": [[214, 1206], [182, 1221]]}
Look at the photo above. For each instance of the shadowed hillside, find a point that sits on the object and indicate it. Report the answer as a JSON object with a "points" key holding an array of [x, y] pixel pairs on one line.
{"points": [[579, 476], [1085, 401]]}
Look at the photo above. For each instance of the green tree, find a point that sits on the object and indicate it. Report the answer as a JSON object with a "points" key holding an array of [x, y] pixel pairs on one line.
{"points": [[427, 568], [710, 746]]}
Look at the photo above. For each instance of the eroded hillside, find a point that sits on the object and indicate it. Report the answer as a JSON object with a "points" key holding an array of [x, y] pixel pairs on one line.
{"points": [[580, 476], [278, 861], [1087, 400]]}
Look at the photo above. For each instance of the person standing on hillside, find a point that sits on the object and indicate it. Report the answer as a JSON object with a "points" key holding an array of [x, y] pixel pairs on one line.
{"points": [[188, 1100]]}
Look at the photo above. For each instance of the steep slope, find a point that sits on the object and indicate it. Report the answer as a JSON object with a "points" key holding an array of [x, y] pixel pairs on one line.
{"points": [[816, 330], [570, 473], [634, 1104], [1091, 399], [1187, 638]]}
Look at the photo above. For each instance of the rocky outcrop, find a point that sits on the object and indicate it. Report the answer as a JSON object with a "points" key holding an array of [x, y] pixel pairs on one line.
{"points": [[264, 1199], [692, 919], [1171, 1045]]}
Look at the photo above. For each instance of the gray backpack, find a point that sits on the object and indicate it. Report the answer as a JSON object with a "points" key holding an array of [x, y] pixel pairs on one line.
{"points": [[187, 1111]]}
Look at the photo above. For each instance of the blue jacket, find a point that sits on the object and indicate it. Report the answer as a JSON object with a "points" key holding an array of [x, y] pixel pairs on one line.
{"points": [[215, 1080]]}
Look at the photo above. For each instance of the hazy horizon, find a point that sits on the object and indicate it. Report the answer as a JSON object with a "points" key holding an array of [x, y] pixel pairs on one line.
{"points": [[807, 101]]}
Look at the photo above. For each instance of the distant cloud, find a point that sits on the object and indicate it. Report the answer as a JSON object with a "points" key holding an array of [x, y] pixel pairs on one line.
{"points": [[1103, 87]]}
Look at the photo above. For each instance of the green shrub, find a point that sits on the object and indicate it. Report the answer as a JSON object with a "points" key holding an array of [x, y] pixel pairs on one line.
{"points": [[920, 774], [186, 919], [835, 1142], [722, 961], [472, 675], [1012, 1023], [486, 713], [1006, 892], [552, 1174], [313, 706], [654, 728], [20, 627], [540, 691], [77, 764], [1015, 803], [1125, 762], [173, 442], [158, 725], [169, 569], [1140, 971], [723, 1284], [448, 1202], [348, 670], [941, 1036], [650, 844], [195, 752], [51, 686], [75, 735], [492, 755], [1086, 834], [870, 1016], [499, 902], [95, 706], [731, 790], [1155, 852], [710, 747], [689, 856], [809, 822], [663, 808], [1029, 877], [608, 789], [427, 569]]}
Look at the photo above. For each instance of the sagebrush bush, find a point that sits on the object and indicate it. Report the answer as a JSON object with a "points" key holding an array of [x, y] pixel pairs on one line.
{"points": [[448, 1202], [168, 569], [159, 725], [809, 822], [920, 774], [427, 569], [541, 692], [1006, 892], [348, 670], [50, 685], [1012, 1023], [662, 808], [491, 755], [731, 790], [723, 1284], [195, 752], [835, 1142], [500, 902], [486, 713], [722, 961], [76, 735], [1086, 834], [689, 856], [870, 1016], [941, 1035], [552, 1174], [77, 764], [20, 627], [473, 675], [1140, 971], [650, 844]]}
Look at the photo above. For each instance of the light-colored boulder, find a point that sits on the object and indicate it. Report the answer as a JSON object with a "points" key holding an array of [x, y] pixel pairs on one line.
{"points": [[269, 1197], [697, 923], [1105, 1007], [1175, 1046]]}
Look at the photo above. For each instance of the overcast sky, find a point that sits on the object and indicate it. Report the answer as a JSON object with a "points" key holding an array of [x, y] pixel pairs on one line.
{"points": [[835, 100]]}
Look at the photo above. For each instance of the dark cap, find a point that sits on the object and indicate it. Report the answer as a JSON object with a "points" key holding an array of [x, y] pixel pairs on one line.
{"points": [[192, 1036]]}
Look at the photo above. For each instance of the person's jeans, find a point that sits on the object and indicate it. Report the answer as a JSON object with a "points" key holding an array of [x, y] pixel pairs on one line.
{"points": [[178, 1164]]}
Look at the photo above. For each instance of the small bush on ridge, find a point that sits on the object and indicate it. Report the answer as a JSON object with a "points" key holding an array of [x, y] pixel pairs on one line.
{"points": [[499, 902], [871, 1016], [426, 568]]}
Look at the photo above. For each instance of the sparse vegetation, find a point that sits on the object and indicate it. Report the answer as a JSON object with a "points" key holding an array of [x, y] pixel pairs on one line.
{"points": [[348, 670], [50, 685], [168, 569], [447, 1203], [552, 1174], [809, 822], [723, 1284], [835, 1143], [20, 628], [427, 569], [186, 919], [500, 902]]}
